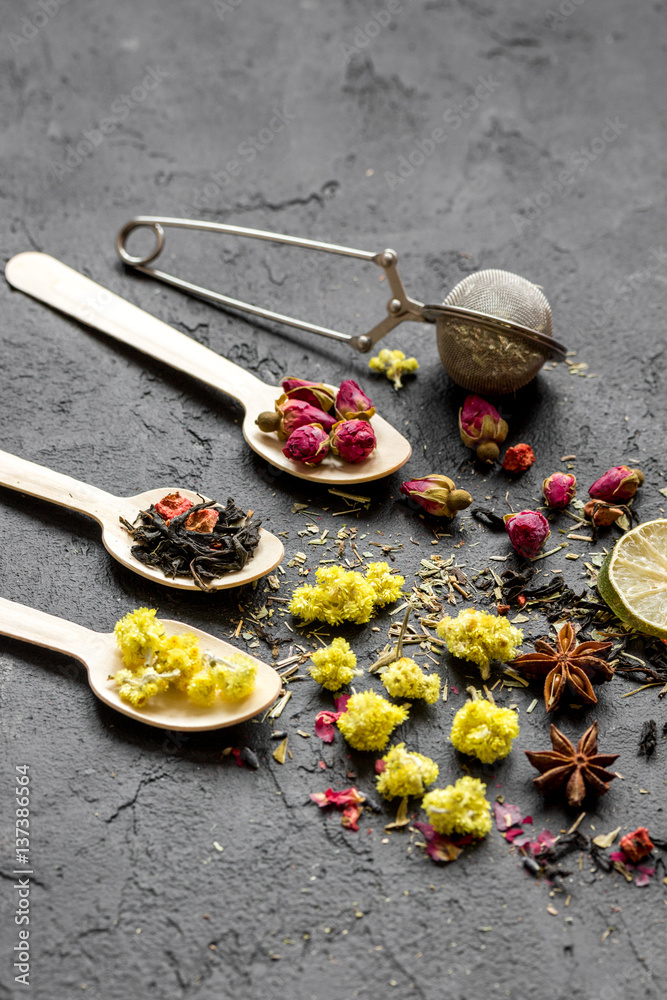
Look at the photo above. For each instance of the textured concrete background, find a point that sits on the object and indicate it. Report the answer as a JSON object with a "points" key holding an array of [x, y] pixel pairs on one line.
{"points": [[130, 897]]}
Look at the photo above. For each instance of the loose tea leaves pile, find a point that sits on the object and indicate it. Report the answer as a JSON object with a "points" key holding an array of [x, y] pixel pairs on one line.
{"points": [[181, 545]]}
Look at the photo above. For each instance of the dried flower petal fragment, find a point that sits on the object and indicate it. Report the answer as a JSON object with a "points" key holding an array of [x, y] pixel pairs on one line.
{"points": [[528, 531], [439, 847], [567, 667], [617, 485], [437, 494], [636, 845], [582, 768], [481, 427], [559, 489]]}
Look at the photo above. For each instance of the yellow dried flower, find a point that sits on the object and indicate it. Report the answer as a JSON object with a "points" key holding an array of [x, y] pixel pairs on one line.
{"points": [[182, 653], [369, 720], [345, 595], [139, 636], [201, 688], [405, 773], [484, 731], [476, 636], [404, 678], [334, 665], [386, 585], [235, 676], [459, 808], [393, 364]]}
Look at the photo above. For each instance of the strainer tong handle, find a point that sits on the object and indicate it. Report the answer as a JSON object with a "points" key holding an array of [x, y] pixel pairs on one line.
{"points": [[400, 306]]}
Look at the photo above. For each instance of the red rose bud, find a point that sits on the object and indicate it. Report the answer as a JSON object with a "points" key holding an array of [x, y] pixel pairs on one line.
{"points": [[619, 483], [637, 845], [437, 494], [172, 505], [603, 514], [528, 532], [353, 440], [352, 402], [311, 392], [202, 521], [482, 428], [518, 458], [308, 444], [559, 489]]}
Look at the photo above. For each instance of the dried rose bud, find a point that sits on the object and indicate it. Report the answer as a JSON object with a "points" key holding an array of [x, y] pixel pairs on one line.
{"points": [[437, 494], [353, 440], [528, 531], [559, 489], [293, 413], [308, 444], [314, 393], [603, 514], [636, 845], [202, 521], [481, 427], [619, 483], [518, 458], [352, 403], [172, 505]]}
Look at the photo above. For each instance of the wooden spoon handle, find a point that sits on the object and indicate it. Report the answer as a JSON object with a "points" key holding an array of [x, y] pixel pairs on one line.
{"points": [[38, 481], [60, 286], [22, 622]]}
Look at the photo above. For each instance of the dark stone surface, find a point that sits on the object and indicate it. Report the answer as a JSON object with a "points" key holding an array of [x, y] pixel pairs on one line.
{"points": [[129, 895]]}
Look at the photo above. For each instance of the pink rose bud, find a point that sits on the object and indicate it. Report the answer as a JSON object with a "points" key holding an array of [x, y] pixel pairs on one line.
{"points": [[352, 402], [308, 444], [311, 392], [438, 495], [619, 483], [353, 440], [528, 532], [292, 413], [482, 428], [559, 489]]}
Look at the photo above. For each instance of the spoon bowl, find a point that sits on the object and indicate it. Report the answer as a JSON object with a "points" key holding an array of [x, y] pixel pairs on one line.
{"points": [[101, 657], [60, 286], [38, 481]]}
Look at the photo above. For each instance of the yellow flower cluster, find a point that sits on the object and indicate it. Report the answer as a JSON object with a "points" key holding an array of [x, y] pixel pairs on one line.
{"points": [[484, 731], [345, 595], [405, 773], [459, 808], [154, 661], [369, 719], [406, 679], [394, 365], [476, 636], [334, 665]]}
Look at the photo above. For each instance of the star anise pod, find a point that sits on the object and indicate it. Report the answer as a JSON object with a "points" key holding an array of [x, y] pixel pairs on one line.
{"points": [[567, 666], [583, 768]]}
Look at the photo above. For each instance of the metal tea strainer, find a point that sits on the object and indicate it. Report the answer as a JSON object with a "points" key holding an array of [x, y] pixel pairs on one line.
{"points": [[494, 328]]}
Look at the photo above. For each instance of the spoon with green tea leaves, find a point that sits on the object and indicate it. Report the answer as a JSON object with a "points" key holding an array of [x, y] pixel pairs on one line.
{"points": [[49, 280], [102, 658], [117, 515]]}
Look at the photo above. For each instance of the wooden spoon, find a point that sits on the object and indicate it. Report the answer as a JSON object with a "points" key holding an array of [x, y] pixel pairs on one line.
{"points": [[101, 657], [53, 282], [38, 481]]}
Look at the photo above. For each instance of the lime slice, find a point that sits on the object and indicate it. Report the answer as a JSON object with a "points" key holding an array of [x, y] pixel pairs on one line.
{"points": [[633, 578]]}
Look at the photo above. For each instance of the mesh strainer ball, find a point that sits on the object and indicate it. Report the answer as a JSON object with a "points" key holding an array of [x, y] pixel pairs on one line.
{"points": [[494, 332]]}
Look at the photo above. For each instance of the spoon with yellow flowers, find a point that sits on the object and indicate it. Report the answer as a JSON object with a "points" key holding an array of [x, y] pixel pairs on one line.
{"points": [[157, 671]]}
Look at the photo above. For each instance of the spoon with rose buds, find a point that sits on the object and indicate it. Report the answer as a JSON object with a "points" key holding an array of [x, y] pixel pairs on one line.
{"points": [[38, 481], [58, 285], [101, 657]]}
